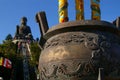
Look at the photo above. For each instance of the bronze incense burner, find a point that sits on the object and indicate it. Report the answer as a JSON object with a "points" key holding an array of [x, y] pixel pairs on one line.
{"points": [[79, 50]]}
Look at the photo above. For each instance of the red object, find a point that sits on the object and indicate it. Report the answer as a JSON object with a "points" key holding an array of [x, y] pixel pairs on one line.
{"points": [[7, 63]]}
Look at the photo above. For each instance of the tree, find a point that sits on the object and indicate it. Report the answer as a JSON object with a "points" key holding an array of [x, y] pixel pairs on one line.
{"points": [[9, 37], [35, 51], [8, 50]]}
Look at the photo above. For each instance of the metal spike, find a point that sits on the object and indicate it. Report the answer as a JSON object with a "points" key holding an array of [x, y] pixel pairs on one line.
{"points": [[101, 74]]}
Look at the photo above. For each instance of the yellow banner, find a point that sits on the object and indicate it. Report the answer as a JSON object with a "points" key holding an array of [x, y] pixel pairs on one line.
{"points": [[79, 9]]}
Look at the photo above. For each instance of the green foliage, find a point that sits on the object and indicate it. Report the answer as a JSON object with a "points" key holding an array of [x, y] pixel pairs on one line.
{"points": [[8, 48], [35, 51], [9, 37]]}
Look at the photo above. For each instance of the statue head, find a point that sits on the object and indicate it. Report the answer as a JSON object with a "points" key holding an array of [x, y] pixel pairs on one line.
{"points": [[24, 20]]}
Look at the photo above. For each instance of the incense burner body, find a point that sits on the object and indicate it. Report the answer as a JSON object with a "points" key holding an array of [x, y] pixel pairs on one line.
{"points": [[77, 50]]}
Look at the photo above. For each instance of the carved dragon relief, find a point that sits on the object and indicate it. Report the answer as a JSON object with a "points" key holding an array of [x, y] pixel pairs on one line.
{"points": [[81, 37], [83, 69], [100, 44]]}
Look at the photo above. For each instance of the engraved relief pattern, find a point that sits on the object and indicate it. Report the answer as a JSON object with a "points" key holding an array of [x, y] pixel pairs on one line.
{"points": [[80, 37], [98, 42], [64, 71]]}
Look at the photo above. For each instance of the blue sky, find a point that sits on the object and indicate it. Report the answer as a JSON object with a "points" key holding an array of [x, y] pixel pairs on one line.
{"points": [[11, 12]]}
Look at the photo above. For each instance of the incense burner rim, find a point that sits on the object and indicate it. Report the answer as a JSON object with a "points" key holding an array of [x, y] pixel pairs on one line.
{"points": [[80, 26]]}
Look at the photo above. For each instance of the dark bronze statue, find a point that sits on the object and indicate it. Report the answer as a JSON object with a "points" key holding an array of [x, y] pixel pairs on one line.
{"points": [[23, 31]]}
